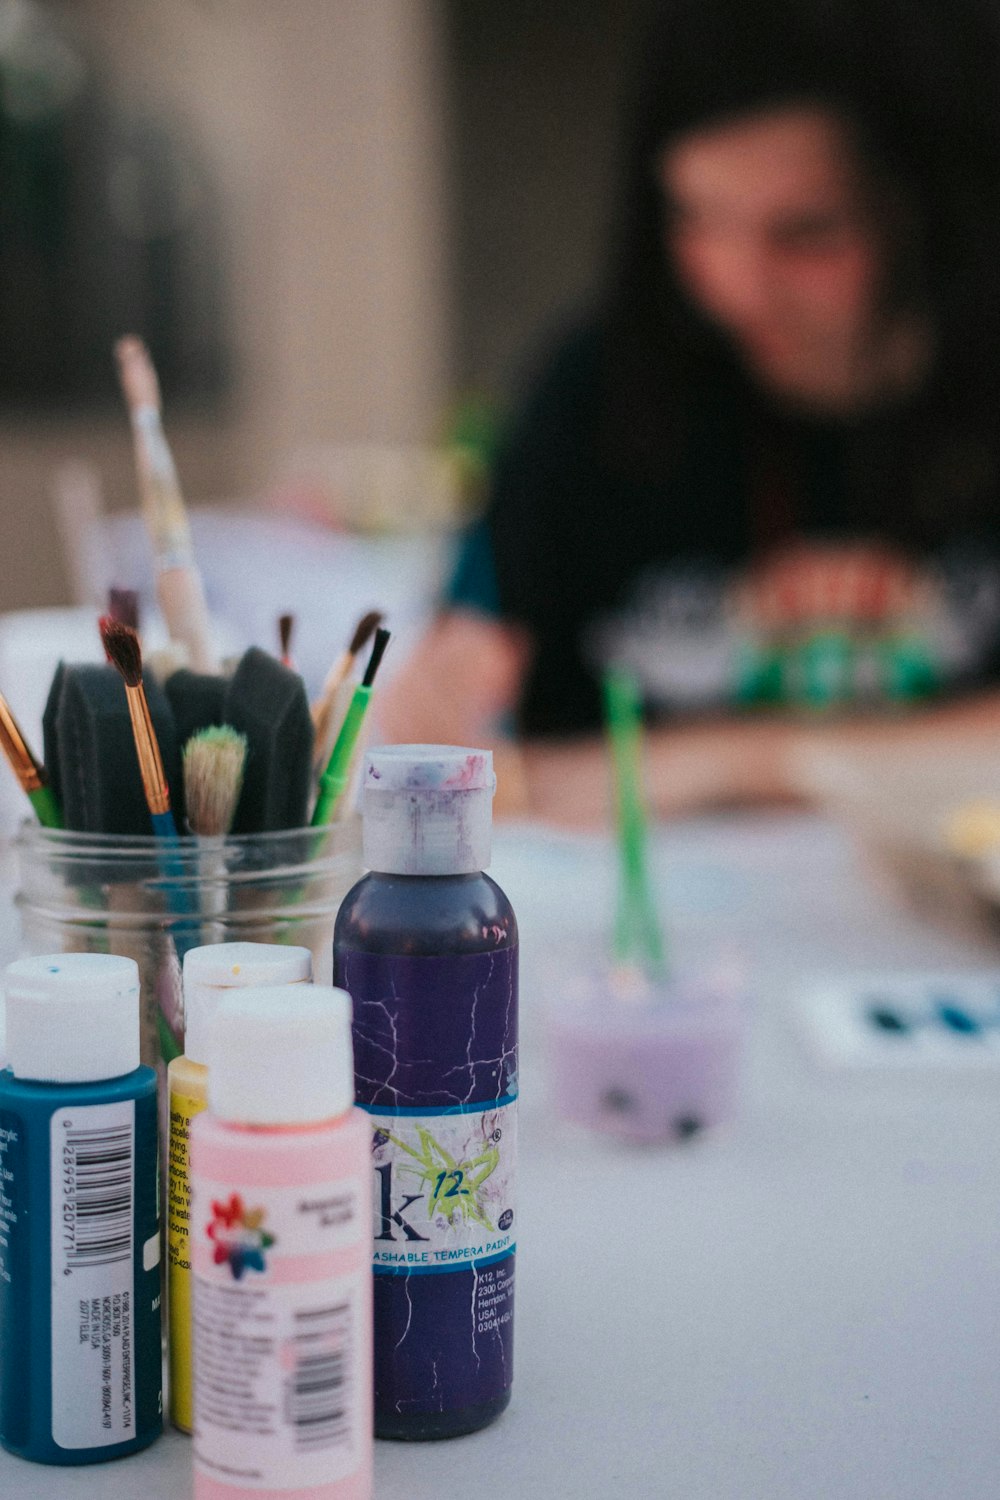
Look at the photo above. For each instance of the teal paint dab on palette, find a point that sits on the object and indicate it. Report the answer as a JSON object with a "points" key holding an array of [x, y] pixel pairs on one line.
{"points": [[905, 1022], [80, 1352]]}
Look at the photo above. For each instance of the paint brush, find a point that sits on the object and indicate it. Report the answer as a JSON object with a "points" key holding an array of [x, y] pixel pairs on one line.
{"points": [[178, 583], [125, 654], [334, 780], [286, 627], [214, 760], [323, 716], [26, 768], [638, 938]]}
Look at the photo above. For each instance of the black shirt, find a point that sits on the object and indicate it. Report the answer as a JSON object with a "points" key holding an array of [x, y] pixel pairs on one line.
{"points": [[605, 566]]}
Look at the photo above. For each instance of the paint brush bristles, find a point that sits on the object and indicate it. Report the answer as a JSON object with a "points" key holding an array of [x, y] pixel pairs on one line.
{"points": [[214, 759], [27, 769], [322, 710], [123, 606], [375, 660], [337, 675], [286, 626], [363, 631], [124, 652]]}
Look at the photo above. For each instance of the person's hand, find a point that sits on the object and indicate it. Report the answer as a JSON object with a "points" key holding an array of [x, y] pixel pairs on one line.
{"points": [[568, 781], [458, 683], [687, 769]]}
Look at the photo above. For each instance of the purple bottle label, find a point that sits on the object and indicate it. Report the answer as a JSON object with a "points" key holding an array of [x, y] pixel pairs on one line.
{"points": [[435, 1045]]}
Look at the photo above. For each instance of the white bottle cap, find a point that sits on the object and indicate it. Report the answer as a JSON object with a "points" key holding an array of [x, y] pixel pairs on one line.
{"points": [[72, 1017], [212, 971], [280, 1055], [428, 809]]}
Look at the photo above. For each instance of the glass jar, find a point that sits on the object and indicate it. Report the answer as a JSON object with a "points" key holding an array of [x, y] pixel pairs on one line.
{"points": [[147, 900]]}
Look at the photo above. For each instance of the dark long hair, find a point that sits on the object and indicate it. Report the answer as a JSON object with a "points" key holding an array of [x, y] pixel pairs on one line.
{"points": [[919, 83]]}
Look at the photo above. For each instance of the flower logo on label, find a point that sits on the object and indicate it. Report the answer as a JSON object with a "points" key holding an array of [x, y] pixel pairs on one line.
{"points": [[238, 1236]]}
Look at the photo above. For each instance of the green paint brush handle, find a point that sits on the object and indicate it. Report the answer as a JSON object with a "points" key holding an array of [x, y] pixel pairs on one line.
{"points": [[637, 928], [333, 782], [620, 713], [46, 807]]}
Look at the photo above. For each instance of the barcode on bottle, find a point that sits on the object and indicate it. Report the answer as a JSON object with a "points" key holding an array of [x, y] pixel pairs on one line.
{"points": [[318, 1394], [97, 1176]]}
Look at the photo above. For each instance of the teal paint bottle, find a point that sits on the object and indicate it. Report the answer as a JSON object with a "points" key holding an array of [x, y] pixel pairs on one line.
{"points": [[80, 1352]]}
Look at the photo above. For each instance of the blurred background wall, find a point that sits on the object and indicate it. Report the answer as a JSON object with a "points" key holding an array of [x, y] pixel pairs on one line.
{"points": [[536, 96], [330, 217]]}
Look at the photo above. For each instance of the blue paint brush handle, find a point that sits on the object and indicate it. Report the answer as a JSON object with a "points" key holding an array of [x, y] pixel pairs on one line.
{"points": [[186, 935], [171, 863], [172, 867], [164, 827]]}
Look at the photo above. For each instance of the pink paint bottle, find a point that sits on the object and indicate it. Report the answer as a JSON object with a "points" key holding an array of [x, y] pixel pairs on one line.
{"points": [[281, 1254]]}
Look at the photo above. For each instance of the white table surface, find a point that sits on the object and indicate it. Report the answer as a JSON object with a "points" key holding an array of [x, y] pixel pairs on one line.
{"points": [[802, 1307]]}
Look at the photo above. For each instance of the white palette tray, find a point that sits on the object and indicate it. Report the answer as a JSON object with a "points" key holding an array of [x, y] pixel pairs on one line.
{"points": [[904, 1022]]}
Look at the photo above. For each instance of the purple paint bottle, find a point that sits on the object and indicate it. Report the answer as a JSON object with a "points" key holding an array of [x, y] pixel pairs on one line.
{"points": [[426, 945]]}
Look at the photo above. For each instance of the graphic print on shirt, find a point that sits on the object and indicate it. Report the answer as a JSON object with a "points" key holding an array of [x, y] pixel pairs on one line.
{"points": [[812, 625]]}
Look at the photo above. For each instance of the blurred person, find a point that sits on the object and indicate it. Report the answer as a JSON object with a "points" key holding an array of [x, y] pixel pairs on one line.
{"points": [[765, 472]]}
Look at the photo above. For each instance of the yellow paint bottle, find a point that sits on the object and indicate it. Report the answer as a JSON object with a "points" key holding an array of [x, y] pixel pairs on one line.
{"points": [[210, 973]]}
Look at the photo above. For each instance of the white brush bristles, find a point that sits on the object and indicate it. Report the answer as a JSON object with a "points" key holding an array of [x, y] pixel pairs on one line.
{"points": [[213, 779]]}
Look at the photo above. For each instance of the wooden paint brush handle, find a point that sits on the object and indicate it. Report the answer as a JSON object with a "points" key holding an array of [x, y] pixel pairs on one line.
{"points": [[182, 600]]}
